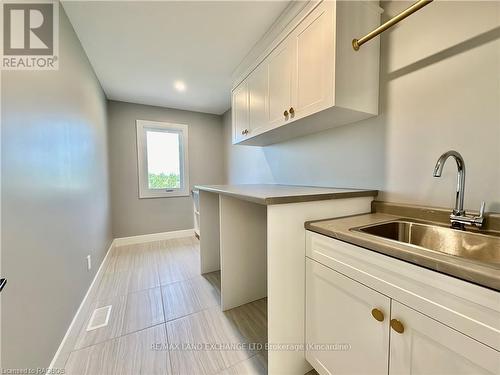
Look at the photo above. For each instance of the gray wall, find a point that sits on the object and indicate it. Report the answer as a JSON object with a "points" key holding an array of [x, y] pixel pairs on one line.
{"points": [[439, 89], [133, 216], [55, 200]]}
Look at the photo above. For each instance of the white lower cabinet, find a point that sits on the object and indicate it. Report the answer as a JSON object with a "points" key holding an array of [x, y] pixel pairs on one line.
{"points": [[343, 335], [427, 346], [384, 316]]}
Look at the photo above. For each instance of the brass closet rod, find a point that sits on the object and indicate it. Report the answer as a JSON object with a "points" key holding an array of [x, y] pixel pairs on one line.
{"points": [[356, 43]]}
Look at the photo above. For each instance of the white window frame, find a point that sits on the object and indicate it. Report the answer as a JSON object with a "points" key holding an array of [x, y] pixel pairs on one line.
{"points": [[142, 160]]}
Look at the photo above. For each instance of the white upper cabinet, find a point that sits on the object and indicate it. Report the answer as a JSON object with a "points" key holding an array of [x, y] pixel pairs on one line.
{"points": [[281, 69], [314, 60], [240, 113], [258, 102], [315, 80]]}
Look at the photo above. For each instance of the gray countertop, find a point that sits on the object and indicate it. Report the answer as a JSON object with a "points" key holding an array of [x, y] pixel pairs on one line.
{"points": [[268, 194], [484, 274]]}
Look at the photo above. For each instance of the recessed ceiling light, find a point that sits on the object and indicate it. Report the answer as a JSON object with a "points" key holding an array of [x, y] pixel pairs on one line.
{"points": [[180, 86]]}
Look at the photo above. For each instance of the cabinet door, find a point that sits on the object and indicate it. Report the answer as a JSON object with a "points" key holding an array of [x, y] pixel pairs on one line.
{"points": [[240, 111], [427, 346], [281, 75], [339, 312], [258, 90], [314, 39]]}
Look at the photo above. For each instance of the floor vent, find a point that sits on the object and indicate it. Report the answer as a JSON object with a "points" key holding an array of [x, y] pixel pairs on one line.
{"points": [[99, 318]]}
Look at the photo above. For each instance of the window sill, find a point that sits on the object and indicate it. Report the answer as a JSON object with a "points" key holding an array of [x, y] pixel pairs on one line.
{"points": [[165, 195]]}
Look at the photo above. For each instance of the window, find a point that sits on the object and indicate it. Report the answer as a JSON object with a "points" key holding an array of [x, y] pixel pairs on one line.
{"points": [[162, 159]]}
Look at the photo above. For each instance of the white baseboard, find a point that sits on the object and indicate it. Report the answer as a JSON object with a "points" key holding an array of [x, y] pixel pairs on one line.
{"points": [[63, 342], [153, 237]]}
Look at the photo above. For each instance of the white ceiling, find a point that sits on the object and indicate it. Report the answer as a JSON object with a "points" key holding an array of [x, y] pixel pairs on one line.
{"points": [[139, 49]]}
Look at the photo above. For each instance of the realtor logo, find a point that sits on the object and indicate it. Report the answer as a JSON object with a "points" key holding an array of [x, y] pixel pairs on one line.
{"points": [[30, 40]]}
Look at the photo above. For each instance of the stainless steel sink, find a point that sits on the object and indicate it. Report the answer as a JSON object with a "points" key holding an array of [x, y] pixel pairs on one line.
{"points": [[484, 247]]}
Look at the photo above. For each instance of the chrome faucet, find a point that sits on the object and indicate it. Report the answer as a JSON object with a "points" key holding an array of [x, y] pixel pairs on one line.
{"points": [[458, 217]]}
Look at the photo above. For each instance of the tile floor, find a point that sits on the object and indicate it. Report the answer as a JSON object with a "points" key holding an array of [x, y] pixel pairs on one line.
{"points": [[165, 318]]}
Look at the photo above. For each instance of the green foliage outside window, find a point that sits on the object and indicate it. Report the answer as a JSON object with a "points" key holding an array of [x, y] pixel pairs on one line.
{"points": [[164, 181]]}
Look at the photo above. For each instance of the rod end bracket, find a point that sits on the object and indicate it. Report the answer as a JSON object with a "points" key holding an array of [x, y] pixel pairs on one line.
{"points": [[355, 44]]}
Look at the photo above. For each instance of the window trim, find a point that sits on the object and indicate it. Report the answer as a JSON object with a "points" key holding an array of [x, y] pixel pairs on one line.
{"points": [[144, 191]]}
